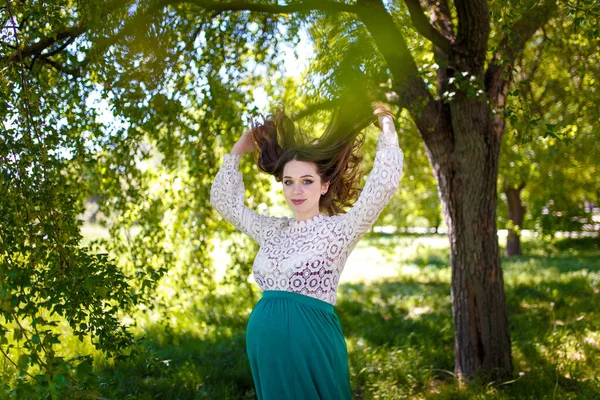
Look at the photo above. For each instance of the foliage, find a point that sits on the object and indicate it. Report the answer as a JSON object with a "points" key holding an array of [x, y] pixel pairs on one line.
{"points": [[166, 80], [553, 144]]}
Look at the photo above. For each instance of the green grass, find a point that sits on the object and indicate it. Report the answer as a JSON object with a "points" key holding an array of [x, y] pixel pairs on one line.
{"points": [[398, 328]]}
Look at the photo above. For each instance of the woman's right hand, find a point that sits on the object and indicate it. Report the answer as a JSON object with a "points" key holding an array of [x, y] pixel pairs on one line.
{"points": [[244, 143]]}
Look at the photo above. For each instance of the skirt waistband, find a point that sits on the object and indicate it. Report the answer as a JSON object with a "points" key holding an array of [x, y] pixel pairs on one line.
{"points": [[298, 297]]}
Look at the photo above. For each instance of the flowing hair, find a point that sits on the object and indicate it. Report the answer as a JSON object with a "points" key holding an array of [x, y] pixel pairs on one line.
{"points": [[336, 153]]}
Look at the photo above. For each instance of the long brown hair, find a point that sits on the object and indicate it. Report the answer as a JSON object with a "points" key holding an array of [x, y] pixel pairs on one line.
{"points": [[336, 153]]}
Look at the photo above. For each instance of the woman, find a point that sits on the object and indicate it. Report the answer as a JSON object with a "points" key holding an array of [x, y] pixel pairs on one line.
{"points": [[294, 339]]}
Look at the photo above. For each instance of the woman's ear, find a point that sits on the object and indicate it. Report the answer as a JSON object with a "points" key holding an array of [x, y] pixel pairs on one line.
{"points": [[325, 187]]}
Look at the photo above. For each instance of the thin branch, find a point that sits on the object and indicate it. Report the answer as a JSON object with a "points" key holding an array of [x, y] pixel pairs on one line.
{"points": [[74, 72], [44, 43], [28, 338], [60, 48], [22, 23], [425, 28], [15, 364], [588, 11], [8, 45], [84, 393], [72, 32], [514, 41], [441, 19], [190, 44]]}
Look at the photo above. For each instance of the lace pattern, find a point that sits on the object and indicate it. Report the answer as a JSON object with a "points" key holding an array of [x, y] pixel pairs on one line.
{"points": [[308, 257]]}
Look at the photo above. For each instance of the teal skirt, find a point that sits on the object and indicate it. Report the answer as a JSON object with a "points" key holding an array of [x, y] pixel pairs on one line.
{"points": [[297, 349]]}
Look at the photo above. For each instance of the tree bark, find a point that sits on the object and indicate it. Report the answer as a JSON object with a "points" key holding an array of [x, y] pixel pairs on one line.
{"points": [[467, 185], [516, 211], [466, 172]]}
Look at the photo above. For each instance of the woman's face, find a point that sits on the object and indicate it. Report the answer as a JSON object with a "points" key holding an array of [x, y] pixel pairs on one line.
{"points": [[302, 182]]}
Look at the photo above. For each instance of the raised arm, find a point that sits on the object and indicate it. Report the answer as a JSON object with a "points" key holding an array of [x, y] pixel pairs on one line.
{"points": [[227, 195], [382, 183]]}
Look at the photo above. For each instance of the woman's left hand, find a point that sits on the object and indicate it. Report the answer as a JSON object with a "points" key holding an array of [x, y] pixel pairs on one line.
{"points": [[383, 113]]}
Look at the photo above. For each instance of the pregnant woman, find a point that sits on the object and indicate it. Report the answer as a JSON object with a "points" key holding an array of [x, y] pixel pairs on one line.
{"points": [[294, 339]]}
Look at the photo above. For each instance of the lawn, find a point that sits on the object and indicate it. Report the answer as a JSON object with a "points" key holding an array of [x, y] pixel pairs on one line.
{"points": [[397, 319]]}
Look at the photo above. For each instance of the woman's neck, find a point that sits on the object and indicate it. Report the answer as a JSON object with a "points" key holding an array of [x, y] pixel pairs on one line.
{"points": [[305, 217]]}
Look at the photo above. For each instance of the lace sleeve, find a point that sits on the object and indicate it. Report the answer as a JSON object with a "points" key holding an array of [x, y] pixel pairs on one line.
{"points": [[382, 183], [227, 197]]}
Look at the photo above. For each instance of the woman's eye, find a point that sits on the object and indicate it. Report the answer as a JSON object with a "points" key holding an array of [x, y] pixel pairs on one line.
{"points": [[306, 180]]}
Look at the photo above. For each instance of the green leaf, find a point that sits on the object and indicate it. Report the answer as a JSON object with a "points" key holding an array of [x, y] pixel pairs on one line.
{"points": [[23, 361], [84, 369]]}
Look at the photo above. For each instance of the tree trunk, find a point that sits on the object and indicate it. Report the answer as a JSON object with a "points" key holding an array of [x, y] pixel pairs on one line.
{"points": [[467, 178], [516, 211]]}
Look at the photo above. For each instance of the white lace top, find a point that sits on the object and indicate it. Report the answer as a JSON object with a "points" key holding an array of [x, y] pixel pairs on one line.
{"points": [[308, 257]]}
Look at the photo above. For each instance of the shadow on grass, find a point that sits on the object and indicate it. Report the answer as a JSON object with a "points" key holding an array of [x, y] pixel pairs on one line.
{"points": [[584, 244], [380, 313], [193, 360], [400, 337], [549, 326]]}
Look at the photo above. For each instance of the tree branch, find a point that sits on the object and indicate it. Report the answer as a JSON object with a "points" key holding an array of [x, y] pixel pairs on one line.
{"points": [[37, 48], [69, 33], [473, 34], [496, 84], [514, 40], [74, 72], [242, 5], [441, 18], [8, 45], [408, 84], [511, 46], [60, 48], [425, 28]]}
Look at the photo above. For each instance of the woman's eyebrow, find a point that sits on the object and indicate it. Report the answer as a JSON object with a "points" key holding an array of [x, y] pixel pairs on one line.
{"points": [[300, 177]]}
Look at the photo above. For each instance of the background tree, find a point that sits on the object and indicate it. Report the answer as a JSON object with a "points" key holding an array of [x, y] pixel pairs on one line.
{"points": [[550, 160]]}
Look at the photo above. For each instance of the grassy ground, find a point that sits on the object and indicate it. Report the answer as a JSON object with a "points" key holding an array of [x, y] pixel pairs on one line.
{"points": [[398, 327]]}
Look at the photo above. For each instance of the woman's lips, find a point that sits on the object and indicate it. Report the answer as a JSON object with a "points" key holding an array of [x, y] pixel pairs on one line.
{"points": [[298, 201]]}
